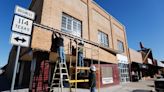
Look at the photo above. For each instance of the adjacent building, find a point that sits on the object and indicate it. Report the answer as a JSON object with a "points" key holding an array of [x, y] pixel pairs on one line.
{"points": [[136, 65]]}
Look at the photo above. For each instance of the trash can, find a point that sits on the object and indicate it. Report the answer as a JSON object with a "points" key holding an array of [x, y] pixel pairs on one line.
{"points": [[159, 85]]}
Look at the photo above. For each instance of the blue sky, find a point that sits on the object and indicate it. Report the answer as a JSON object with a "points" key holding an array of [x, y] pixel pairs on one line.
{"points": [[143, 19], [6, 16]]}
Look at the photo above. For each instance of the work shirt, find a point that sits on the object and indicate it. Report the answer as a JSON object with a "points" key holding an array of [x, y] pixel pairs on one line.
{"points": [[92, 79], [80, 49], [59, 41]]}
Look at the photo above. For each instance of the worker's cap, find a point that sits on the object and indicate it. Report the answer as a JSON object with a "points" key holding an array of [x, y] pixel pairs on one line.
{"points": [[93, 68]]}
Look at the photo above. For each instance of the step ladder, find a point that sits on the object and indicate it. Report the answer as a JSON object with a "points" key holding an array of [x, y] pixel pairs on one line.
{"points": [[60, 76]]}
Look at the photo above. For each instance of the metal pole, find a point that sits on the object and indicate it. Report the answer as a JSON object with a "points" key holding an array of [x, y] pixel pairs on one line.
{"points": [[98, 69], [76, 66], [15, 68], [33, 66]]}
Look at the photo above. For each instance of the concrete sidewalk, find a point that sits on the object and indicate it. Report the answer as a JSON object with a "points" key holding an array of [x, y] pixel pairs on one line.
{"points": [[141, 86]]}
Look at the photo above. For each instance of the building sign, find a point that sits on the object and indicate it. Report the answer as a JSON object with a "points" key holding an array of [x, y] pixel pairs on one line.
{"points": [[20, 39], [24, 12], [22, 25], [107, 80], [122, 59]]}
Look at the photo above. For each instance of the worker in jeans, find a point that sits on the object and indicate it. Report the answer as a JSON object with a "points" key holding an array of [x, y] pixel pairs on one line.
{"points": [[80, 55], [60, 47], [92, 79]]}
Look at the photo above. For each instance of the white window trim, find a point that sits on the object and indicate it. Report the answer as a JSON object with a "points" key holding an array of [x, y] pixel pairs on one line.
{"points": [[76, 32], [103, 43]]}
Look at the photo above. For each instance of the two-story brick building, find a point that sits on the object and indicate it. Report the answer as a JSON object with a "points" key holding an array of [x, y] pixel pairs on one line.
{"points": [[104, 36]]}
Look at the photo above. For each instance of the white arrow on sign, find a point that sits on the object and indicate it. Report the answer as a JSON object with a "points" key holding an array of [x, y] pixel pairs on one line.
{"points": [[22, 25], [20, 39]]}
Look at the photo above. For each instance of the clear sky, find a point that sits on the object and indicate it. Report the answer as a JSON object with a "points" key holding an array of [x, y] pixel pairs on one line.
{"points": [[143, 19], [6, 17]]}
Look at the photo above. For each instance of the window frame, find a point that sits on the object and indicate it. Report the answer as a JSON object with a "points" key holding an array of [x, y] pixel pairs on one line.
{"points": [[77, 31], [118, 47], [102, 42]]}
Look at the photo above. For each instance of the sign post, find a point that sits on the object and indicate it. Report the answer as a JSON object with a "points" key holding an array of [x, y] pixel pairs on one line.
{"points": [[22, 27], [15, 68]]}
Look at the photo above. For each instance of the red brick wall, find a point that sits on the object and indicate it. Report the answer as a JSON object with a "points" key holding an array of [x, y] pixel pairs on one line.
{"points": [[40, 80]]}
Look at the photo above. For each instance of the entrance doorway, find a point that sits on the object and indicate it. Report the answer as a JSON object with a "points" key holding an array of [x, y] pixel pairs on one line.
{"points": [[124, 72]]}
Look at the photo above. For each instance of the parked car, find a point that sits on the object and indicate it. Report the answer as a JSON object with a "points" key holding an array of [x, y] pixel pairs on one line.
{"points": [[159, 85]]}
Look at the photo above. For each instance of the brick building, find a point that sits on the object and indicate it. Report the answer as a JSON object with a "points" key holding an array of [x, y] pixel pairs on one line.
{"points": [[81, 19]]}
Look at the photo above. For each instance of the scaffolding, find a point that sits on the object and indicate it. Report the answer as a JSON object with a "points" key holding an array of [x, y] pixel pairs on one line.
{"points": [[85, 49]]}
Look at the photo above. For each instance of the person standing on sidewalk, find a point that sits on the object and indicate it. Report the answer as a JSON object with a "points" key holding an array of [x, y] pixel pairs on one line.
{"points": [[92, 79], [60, 47]]}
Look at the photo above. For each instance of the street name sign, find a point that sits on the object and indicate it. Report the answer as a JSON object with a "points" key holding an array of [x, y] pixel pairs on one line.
{"points": [[20, 39], [22, 25], [24, 12]]}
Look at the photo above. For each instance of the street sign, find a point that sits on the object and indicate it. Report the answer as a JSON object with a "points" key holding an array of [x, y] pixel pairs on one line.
{"points": [[20, 39], [24, 12], [22, 25]]}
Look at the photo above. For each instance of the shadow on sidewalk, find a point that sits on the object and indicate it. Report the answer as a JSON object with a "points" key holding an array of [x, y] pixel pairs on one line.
{"points": [[140, 90], [150, 85]]}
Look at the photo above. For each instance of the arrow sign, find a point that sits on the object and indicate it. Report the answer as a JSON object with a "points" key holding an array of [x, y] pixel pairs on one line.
{"points": [[20, 39]]}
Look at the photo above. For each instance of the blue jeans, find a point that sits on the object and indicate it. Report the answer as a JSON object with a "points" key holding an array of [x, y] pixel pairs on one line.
{"points": [[80, 59], [93, 89], [61, 54]]}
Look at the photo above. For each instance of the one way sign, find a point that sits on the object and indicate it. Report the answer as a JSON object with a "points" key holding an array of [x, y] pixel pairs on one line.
{"points": [[20, 39]]}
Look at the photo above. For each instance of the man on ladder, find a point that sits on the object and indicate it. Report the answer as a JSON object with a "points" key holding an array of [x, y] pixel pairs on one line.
{"points": [[60, 47], [60, 72]]}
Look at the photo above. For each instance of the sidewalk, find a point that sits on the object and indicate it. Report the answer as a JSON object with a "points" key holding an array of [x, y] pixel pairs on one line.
{"points": [[141, 86]]}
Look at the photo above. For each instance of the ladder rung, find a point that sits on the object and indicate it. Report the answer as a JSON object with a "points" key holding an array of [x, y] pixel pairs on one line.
{"points": [[63, 63], [56, 78], [54, 84], [62, 68], [62, 73], [84, 80], [59, 79]]}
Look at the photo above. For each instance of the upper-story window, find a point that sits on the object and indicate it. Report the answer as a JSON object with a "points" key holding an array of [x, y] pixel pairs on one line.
{"points": [[103, 39], [120, 45], [71, 25]]}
